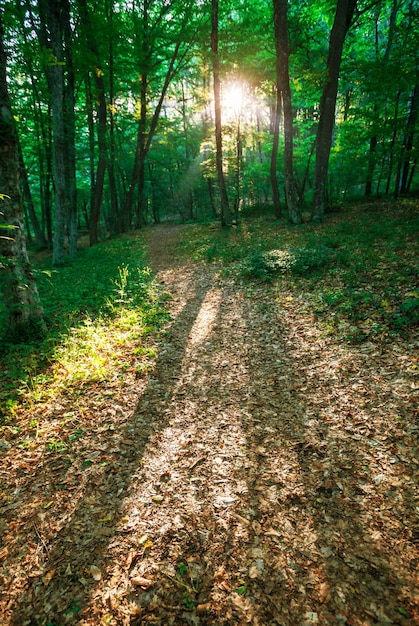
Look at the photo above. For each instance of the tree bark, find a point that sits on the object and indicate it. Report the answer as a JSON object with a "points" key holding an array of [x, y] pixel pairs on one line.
{"points": [[25, 315], [344, 12], [225, 208]]}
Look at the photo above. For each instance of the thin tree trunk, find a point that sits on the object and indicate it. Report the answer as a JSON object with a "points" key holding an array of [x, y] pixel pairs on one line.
{"points": [[70, 133], [274, 157], [27, 195], [225, 209], [98, 78], [393, 142], [112, 147], [374, 139], [409, 139]]}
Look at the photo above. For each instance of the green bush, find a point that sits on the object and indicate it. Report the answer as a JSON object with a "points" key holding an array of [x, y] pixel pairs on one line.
{"points": [[273, 263]]}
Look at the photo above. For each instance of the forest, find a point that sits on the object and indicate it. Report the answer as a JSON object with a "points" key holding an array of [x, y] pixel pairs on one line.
{"points": [[209, 314]]}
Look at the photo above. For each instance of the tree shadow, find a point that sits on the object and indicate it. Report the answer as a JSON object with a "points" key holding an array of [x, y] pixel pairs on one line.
{"points": [[334, 549], [61, 590], [263, 518]]}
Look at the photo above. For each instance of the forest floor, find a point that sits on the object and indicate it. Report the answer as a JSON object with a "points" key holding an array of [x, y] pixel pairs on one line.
{"points": [[263, 473]]}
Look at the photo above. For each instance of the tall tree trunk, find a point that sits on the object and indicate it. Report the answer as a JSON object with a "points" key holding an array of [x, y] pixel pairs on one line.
{"points": [[239, 157], [274, 155], [144, 140], [97, 73], [70, 133], [371, 160], [225, 209], [374, 138], [112, 147], [283, 87], [344, 12], [395, 123], [25, 315], [52, 39]]}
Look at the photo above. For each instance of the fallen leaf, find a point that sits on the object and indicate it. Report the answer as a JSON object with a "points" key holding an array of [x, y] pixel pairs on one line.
{"points": [[144, 583], [158, 499], [4, 552], [95, 572], [48, 576], [221, 581], [142, 539], [324, 592], [202, 608]]}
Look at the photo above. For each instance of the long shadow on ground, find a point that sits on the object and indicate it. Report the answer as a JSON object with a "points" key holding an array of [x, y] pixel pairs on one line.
{"points": [[61, 598]]}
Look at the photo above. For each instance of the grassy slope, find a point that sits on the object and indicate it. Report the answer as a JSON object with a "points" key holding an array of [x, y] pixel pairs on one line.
{"points": [[100, 308], [356, 273]]}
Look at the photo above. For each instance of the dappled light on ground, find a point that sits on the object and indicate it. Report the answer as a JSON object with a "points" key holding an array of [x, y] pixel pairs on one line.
{"points": [[254, 477]]}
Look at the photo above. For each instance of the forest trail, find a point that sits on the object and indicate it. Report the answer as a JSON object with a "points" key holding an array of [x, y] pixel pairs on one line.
{"points": [[261, 474]]}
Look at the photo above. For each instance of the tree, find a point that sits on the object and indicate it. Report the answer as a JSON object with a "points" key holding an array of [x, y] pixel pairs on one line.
{"points": [[99, 179], [343, 18], [25, 315], [284, 92], [225, 209], [51, 38]]}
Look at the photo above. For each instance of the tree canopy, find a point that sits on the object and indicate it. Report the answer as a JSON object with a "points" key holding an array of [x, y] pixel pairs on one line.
{"points": [[116, 116]]}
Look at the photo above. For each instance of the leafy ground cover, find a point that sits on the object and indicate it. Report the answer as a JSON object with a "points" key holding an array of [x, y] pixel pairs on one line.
{"points": [[248, 459]]}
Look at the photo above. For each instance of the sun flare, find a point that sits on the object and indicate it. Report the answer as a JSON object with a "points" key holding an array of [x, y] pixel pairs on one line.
{"points": [[232, 99]]}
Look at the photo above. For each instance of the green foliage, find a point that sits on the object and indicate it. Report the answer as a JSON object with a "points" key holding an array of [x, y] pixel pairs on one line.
{"points": [[297, 261], [94, 307]]}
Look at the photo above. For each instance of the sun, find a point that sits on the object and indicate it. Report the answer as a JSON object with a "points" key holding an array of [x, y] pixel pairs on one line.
{"points": [[232, 99]]}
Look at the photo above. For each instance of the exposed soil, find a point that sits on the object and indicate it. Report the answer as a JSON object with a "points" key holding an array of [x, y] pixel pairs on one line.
{"points": [[261, 474]]}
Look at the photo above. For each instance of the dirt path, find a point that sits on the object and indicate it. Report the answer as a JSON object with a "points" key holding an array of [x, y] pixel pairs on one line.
{"points": [[261, 475]]}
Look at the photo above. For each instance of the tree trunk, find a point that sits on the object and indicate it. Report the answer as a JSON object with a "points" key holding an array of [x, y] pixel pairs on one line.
{"points": [[70, 133], [283, 87], [406, 159], [112, 147], [371, 161], [274, 156], [25, 315], [100, 98], [225, 209], [52, 39], [343, 17], [40, 239]]}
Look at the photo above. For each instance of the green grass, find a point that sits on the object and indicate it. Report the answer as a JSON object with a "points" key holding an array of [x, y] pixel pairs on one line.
{"points": [[356, 273], [99, 308]]}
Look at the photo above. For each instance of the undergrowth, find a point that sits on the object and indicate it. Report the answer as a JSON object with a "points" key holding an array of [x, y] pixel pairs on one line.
{"points": [[356, 273], [100, 310]]}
